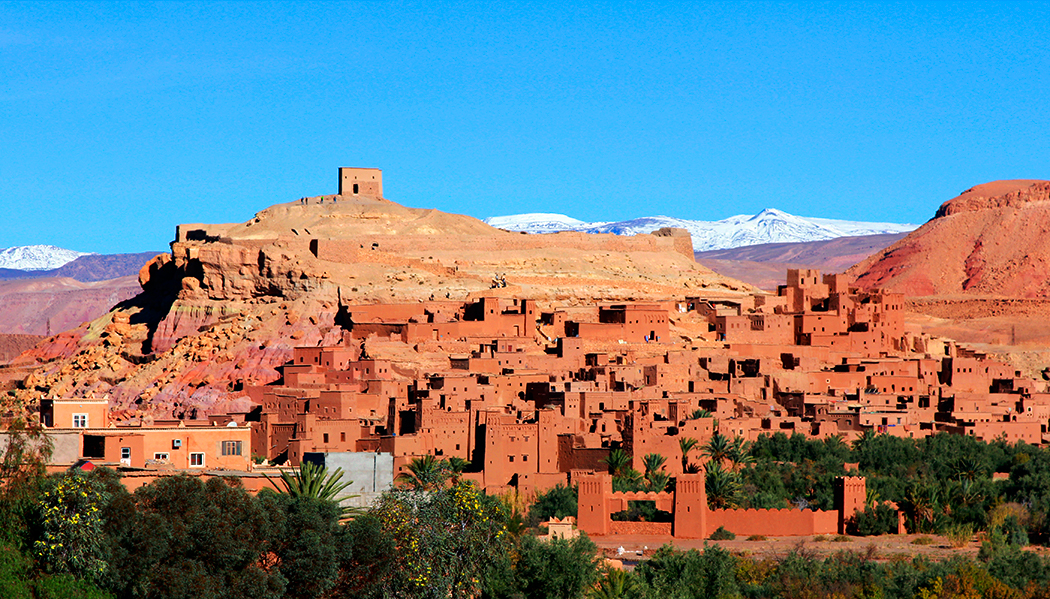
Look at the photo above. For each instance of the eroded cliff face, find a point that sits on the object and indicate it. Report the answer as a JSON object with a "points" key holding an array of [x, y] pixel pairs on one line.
{"points": [[225, 308], [993, 240]]}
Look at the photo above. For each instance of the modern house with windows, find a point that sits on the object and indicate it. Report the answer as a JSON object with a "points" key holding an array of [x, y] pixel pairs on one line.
{"points": [[173, 444]]}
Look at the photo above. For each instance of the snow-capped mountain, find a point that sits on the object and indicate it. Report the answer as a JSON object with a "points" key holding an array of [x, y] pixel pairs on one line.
{"points": [[538, 222], [768, 226], [37, 257]]}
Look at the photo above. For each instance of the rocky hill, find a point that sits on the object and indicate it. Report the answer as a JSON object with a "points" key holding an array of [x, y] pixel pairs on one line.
{"points": [[54, 304], [992, 240], [227, 305]]}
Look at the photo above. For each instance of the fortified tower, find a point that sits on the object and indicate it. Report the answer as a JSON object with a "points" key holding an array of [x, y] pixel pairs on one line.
{"points": [[850, 495], [594, 492], [360, 181]]}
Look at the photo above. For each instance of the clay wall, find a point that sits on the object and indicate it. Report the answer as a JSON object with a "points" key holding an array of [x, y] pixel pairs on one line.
{"points": [[641, 528], [450, 430], [510, 449], [786, 522], [201, 231]]}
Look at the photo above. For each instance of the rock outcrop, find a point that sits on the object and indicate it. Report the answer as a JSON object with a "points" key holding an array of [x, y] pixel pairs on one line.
{"points": [[992, 240]]}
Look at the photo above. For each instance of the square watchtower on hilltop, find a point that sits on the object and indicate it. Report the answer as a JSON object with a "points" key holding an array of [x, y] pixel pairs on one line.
{"points": [[360, 181]]}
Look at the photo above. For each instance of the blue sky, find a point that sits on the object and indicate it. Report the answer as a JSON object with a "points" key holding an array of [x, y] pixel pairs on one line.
{"points": [[118, 121]]}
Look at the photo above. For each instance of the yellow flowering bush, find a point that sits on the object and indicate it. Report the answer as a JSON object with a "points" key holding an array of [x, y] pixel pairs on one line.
{"points": [[445, 539], [71, 523]]}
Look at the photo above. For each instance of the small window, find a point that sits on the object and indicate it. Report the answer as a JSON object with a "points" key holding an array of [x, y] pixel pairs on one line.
{"points": [[160, 456], [231, 448], [511, 458], [125, 453], [80, 420], [326, 438], [196, 460], [342, 437]]}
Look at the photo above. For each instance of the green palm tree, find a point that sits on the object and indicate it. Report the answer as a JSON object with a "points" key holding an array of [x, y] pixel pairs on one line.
{"points": [[614, 584], [740, 453], [920, 502], [312, 480], [864, 440], [657, 481], [723, 486], [871, 497], [618, 460], [456, 465], [686, 445], [629, 480], [698, 414], [968, 468], [718, 448], [835, 445], [425, 473], [653, 462]]}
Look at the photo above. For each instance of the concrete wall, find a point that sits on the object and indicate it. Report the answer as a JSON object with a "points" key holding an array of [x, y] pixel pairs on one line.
{"points": [[65, 447], [371, 473]]}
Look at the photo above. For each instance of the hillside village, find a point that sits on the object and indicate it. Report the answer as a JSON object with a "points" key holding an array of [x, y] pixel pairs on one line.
{"points": [[544, 396]]}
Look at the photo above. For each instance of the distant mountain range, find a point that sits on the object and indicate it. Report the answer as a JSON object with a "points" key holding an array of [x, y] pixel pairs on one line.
{"points": [[39, 261], [768, 226]]}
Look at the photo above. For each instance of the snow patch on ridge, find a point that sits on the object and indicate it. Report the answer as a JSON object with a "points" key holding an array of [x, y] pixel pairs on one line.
{"points": [[768, 226], [37, 257]]}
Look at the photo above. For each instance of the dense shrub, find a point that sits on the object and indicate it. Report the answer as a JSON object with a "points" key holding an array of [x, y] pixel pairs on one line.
{"points": [[878, 520], [721, 534], [558, 502]]}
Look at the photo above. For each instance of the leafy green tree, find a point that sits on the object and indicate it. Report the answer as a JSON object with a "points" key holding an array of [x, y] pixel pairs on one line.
{"points": [[687, 575], [877, 519], [23, 468], [655, 478], [71, 539], [921, 506], [18, 580], [367, 558], [185, 538], [629, 480], [556, 568], [557, 502], [653, 462], [303, 538]]}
